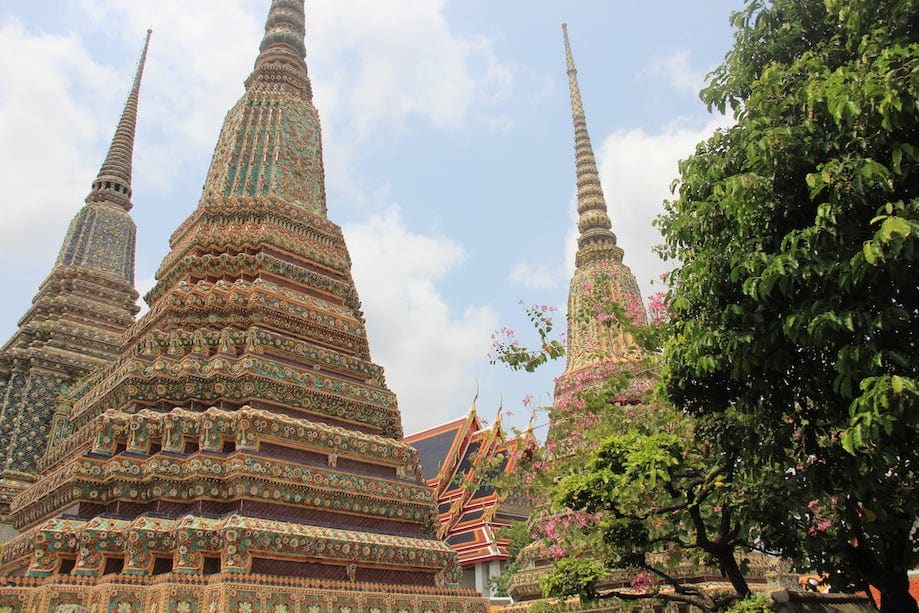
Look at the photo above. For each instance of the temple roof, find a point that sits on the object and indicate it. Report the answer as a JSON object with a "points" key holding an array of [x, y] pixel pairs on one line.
{"points": [[460, 459], [434, 445]]}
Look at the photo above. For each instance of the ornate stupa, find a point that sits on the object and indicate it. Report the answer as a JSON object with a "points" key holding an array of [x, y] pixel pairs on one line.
{"points": [[243, 453], [596, 350], [77, 316]]}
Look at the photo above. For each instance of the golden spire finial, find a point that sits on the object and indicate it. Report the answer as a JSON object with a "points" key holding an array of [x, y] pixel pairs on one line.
{"points": [[475, 398], [596, 240], [498, 417]]}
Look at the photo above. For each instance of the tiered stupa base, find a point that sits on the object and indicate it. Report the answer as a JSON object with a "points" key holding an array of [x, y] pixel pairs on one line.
{"points": [[227, 593], [246, 491]]}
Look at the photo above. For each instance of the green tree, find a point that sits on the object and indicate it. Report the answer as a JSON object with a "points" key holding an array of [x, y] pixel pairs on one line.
{"points": [[519, 535], [662, 499], [795, 304]]}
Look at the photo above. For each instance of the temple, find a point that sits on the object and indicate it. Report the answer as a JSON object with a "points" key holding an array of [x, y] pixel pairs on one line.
{"points": [[461, 459], [77, 316], [242, 452]]}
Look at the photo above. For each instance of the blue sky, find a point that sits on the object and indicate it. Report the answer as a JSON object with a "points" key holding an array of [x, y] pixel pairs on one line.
{"points": [[448, 150]]}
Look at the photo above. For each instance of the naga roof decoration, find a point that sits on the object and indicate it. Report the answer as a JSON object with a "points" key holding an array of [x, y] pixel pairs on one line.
{"points": [[243, 431], [78, 314]]}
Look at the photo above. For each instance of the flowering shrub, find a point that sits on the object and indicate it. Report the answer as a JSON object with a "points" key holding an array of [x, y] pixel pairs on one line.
{"points": [[621, 482], [505, 347]]}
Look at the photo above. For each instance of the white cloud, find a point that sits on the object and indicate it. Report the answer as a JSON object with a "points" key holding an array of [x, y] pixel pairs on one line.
{"points": [[47, 124], [547, 278], [380, 63], [408, 62], [677, 71], [538, 278], [636, 169], [428, 350]]}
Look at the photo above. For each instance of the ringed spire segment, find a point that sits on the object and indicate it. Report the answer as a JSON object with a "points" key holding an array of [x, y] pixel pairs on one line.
{"points": [[577, 105], [596, 239], [281, 64], [113, 183]]}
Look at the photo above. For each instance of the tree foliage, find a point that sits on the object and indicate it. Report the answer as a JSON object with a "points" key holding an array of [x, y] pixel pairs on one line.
{"points": [[518, 533], [795, 304], [631, 499], [507, 350], [659, 488]]}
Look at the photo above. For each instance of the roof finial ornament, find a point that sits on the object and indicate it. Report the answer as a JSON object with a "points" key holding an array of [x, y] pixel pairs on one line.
{"points": [[496, 426], [596, 240], [113, 183], [475, 399]]}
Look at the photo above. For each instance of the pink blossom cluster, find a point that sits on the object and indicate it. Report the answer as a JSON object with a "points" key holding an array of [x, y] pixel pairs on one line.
{"points": [[502, 340], [643, 581], [821, 523], [607, 297], [540, 308], [503, 336], [553, 531], [557, 551], [657, 309], [558, 527]]}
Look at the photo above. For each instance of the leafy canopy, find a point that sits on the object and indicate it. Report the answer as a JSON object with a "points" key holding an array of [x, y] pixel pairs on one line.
{"points": [[795, 304]]}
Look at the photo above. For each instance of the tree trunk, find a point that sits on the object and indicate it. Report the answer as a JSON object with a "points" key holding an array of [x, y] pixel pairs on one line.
{"points": [[729, 566], [895, 596]]}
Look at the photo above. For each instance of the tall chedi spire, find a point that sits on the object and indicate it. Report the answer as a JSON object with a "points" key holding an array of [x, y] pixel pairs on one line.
{"points": [[596, 241], [78, 314], [113, 184], [244, 431], [599, 273], [596, 350]]}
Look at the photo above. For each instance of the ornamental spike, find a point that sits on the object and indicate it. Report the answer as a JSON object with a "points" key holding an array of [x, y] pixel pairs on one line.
{"points": [[113, 183], [595, 236]]}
